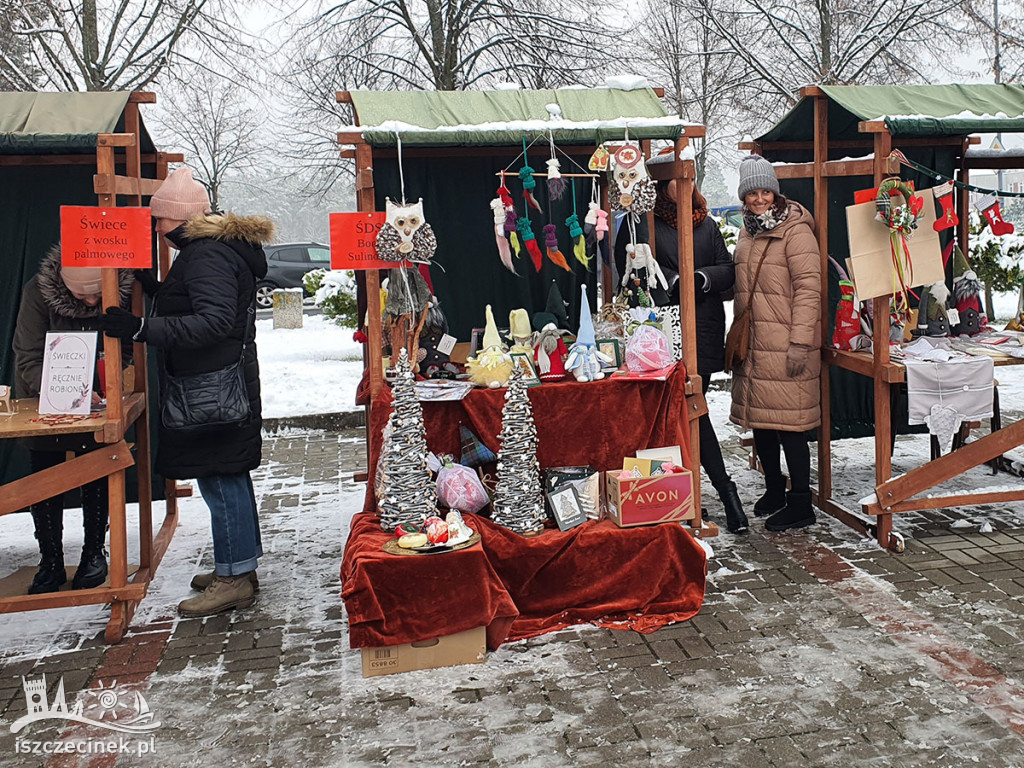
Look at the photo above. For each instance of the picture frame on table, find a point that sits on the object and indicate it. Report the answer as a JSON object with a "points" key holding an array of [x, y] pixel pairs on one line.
{"points": [[612, 348], [474, 341], [565, 506], [524, 362]]}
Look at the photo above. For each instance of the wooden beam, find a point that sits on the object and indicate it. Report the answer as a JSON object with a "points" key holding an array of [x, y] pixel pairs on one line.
{"points": [[74, 473], [863, 363], [947, 502], [350, 137], [952, 464], [125, 185], [833, 169], [872, 126], [880, 338], [142, 97], [658, 91], [813, 90], [993, 163], [821, 224], [116, 139], [68, 598], [343, 97]]}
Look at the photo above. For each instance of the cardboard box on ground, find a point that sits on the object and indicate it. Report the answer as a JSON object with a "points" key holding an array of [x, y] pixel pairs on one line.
{"points": [[469, 647]]}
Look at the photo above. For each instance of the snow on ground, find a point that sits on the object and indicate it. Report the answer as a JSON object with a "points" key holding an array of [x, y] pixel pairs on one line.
{"points": [[313, 369]]}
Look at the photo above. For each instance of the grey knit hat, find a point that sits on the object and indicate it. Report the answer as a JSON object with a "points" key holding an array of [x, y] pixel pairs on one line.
{"points": [[756, 173]]}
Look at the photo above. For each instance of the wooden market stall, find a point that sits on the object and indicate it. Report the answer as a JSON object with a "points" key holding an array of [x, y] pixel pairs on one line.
{"points": [[835, 141], [81, 149], [450, 148]]}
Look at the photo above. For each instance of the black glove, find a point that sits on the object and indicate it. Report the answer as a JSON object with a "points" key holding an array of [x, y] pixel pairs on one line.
{"points": [[121, 324], [148, 281]]}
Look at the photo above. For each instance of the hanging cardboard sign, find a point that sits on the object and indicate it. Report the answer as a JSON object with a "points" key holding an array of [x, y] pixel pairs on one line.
{"points": [[68, 365], [354, 241], [870, 262], [105, 237]]}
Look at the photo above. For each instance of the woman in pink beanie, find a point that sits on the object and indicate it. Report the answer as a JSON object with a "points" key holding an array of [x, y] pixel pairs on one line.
{"points": [[204, 318]]}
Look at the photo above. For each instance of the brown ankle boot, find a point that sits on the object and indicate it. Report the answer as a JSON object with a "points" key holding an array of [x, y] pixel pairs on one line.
{"points": [[202, 580], [223, 594]]}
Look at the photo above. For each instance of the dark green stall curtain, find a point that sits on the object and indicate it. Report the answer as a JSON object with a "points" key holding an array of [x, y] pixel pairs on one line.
{"points": [[30, 201], [466, 272], [853, 407]]}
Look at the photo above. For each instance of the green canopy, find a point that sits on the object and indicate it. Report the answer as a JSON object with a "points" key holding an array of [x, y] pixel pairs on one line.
{"points": [[908, 110], [64, 123], [503, 118]]}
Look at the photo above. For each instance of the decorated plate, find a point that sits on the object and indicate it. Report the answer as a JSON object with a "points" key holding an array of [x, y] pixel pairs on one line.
{"points": [[392, 548]]}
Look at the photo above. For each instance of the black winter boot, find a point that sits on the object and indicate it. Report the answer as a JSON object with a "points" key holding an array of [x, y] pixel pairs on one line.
{"points": [[92, 570], [48, 517], [735, 518], [774, 497], [797, 514]]}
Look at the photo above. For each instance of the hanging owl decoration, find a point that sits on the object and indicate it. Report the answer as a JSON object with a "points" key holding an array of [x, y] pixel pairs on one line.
{"points": [[633, 189], [405, 236]]}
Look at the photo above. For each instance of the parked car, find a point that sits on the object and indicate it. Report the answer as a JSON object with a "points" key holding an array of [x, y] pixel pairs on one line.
{"points": [[733, 214], [286, 264]]}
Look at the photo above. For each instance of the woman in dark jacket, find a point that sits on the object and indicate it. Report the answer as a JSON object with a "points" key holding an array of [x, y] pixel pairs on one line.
{"points": [[204, 319], [62, 299], [713, 278]]}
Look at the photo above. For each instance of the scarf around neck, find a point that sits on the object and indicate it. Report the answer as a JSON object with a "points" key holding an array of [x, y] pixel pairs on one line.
{"points": [[665, 209], [768, 220]]}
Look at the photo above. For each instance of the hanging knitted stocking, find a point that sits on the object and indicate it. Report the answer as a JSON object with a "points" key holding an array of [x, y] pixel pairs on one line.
{"points": [[989, 207], [551, 242], [530, 241], [947, 217]]}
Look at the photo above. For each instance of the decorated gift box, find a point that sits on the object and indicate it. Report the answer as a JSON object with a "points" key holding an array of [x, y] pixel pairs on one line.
{"points": [[634, 501]]}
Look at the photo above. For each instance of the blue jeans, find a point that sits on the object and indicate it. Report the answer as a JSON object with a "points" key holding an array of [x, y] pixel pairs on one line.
{"points": [[236, 527]]}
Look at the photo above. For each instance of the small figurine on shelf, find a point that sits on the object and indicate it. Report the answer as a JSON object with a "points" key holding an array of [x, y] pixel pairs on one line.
{"points": [[492, 366], [967, 290], [932, 319], [585, 360], [549, 353], [519, 331]]}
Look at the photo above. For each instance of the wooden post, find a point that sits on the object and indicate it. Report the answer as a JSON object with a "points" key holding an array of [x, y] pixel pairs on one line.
{"points": [[883, 411], [687, 316], [821, 221]]}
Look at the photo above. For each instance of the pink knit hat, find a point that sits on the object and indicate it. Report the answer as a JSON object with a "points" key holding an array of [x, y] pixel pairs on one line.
{"points": [[86, 281], [180, 197]]}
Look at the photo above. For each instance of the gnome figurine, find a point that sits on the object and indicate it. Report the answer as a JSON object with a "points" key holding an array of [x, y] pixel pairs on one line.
{"points": [[966, 296], [549, 353], [492, 366], [932, 319], [585, 361], [520, 331]]}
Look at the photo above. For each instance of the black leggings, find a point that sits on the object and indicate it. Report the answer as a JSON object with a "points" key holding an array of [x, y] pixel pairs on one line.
{"points": [[710, 451], [798, 456]]}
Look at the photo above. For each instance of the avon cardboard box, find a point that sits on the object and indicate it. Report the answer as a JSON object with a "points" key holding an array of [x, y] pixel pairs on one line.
{"points": [[469, 647], [649, 500]]}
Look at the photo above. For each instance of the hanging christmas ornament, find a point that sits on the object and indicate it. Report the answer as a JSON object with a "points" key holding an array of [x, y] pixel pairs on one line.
{"points": [[529, 183], [556, 184], [947, 218], [492, 366], [599, 160], [504, 251], [405, 236], [633, 189], [530, 241], [989, 207], [847, 317], [901, 221], [579, 248]]}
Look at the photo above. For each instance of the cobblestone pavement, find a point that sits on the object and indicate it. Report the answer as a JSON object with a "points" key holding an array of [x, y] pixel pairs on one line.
{"points": [[813, 648]]}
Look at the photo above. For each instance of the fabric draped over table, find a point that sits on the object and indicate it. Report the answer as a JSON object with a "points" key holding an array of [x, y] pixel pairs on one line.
{"points": [[519, 587], [595, 423]]}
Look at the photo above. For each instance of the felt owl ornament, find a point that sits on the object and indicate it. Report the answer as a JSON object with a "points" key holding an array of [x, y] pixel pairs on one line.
{"points": [[405, 236], [633, 189]]}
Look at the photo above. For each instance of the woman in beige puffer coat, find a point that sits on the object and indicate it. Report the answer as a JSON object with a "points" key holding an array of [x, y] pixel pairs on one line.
{"points": [[775, 391]]}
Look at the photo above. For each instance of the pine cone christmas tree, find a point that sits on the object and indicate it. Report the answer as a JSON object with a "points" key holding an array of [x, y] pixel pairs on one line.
{"points": [[409, 494], [518, 496]]}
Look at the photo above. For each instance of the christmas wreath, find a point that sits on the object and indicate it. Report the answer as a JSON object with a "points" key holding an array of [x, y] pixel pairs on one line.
{"points": [[901, 220]]}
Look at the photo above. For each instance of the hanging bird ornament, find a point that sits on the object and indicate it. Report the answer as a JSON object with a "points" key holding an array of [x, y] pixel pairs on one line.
{"points": [[405, 236], [633, 189]]}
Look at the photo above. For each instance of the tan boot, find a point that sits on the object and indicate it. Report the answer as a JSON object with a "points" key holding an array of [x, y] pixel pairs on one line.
{"points": [[223, 594], [202, 580]]}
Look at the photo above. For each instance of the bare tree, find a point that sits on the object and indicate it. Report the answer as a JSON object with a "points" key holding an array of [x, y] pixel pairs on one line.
{"points": [[999, 30], [217, 123], [105, 45], [785, 44]]}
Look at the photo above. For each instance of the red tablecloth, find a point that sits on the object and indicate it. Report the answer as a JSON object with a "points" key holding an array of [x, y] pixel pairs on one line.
{"points": [[596, 423], [518, 587]]}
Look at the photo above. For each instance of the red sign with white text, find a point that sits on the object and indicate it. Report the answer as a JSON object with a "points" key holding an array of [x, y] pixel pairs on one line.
{"points": [[354, 241], [105, 237]]}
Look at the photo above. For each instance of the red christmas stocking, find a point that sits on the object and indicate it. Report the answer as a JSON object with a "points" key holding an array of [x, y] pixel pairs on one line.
{"points": [[947, 216], [990, 210]]}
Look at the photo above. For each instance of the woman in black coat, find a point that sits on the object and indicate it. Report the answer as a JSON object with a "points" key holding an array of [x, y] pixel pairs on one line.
{"points": [[713, 281], [204, 320]]}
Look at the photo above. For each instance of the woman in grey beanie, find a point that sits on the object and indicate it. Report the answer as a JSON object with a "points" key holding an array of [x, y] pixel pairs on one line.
{"points": [[775, 389]]}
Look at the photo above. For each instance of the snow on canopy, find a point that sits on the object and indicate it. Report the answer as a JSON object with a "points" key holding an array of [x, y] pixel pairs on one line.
{"points": [[503, 118]]}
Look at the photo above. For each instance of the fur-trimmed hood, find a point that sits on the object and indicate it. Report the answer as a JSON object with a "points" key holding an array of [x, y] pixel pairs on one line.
{"points": [[255, 230], [58, 296]]}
